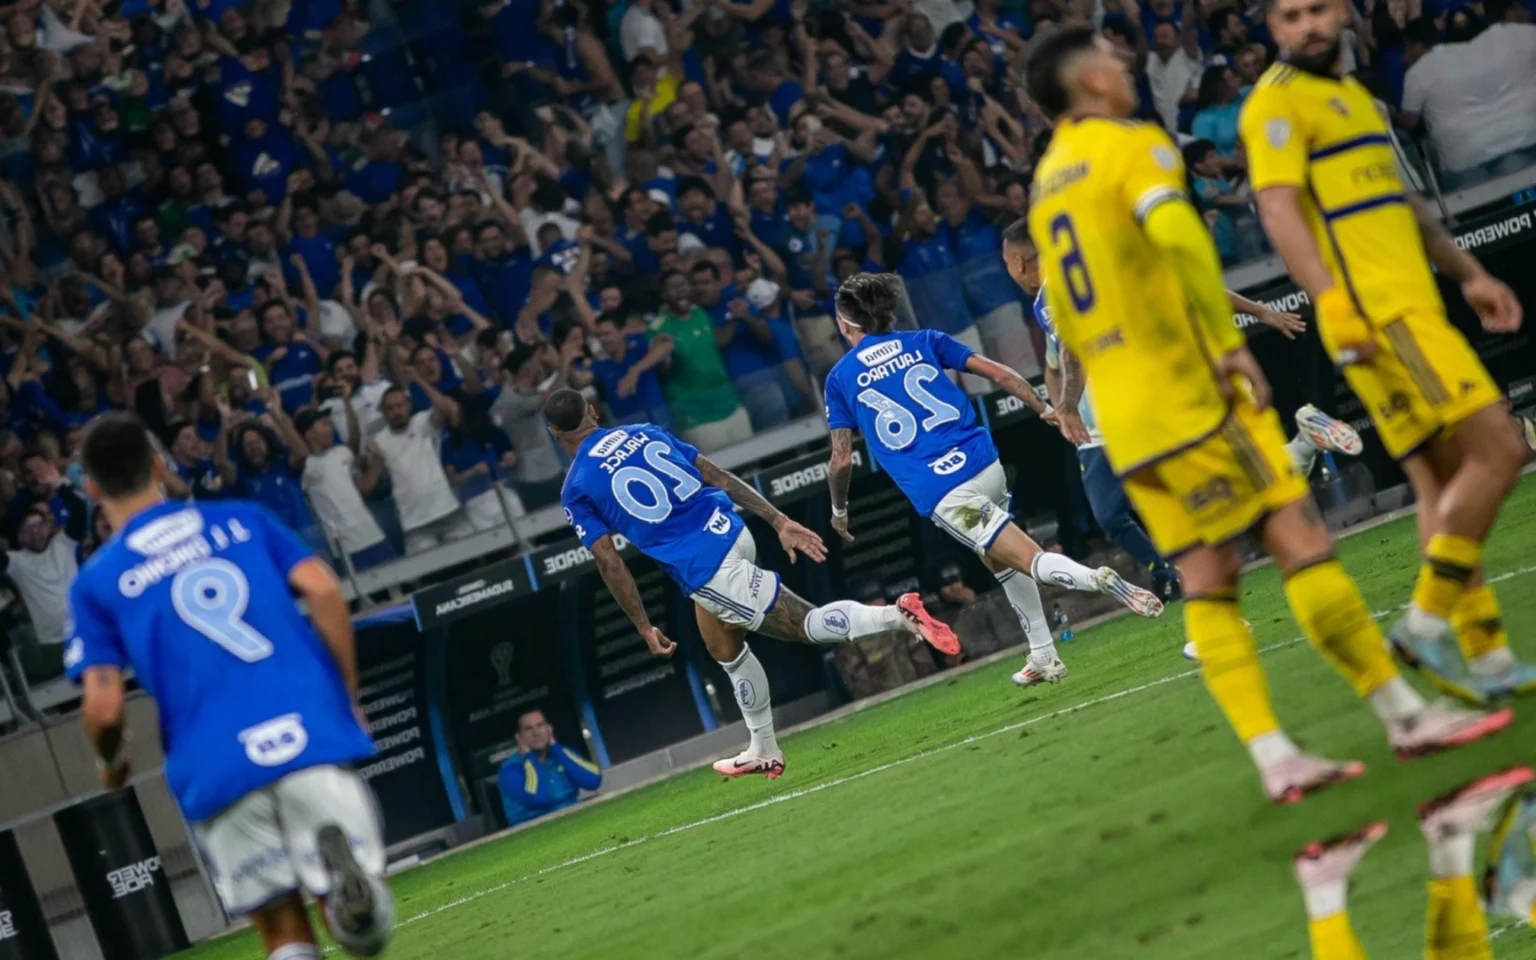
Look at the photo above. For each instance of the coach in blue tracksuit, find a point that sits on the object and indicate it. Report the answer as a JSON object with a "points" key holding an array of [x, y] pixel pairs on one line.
{"points": [[542, 776]]}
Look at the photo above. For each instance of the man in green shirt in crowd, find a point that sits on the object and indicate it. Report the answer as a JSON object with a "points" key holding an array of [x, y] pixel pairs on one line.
{"points": [[706, 410]]}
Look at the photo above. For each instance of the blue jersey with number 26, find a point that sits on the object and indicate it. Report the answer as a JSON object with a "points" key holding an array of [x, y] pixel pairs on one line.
{"points": [[921, 428], [643, 484], [195, 599]]}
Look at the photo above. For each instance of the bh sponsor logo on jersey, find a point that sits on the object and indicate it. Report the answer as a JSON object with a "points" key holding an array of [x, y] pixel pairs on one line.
{"points": [[805, 477], [276, 741], [949, 463], [718, 523], [836, 621], [126, 881], [476, 591]]}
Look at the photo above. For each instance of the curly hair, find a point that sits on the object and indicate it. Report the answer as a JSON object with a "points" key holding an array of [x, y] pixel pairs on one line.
{"points": [[868, 301]]}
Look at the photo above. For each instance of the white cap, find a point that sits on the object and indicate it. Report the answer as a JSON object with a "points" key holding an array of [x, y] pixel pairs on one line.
{"points": [[762, 293], [688, 242]]}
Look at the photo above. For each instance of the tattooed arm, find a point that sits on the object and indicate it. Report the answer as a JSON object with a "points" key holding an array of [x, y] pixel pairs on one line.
{"points": [[839, 475], [1012, 383], [1495, 303], [792, 535], [621, 583]]}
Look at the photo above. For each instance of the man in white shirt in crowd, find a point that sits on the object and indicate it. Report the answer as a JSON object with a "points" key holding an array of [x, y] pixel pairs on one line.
{"points": [[364, 386], [43, 570], [1475, 93], [410, 446], [333, 477], [1174, 67], [641, 30]]}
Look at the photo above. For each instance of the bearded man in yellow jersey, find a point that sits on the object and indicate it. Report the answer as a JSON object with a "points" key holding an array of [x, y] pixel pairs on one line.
{"points": [[1135, 290], [1356, 239]]}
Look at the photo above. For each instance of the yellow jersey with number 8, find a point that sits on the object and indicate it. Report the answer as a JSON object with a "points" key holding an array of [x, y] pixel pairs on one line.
{"points": [[1115, 300], [1327, 138]]}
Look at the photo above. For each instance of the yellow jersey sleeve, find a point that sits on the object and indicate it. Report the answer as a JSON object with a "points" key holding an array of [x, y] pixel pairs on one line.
{"points": [[1272, 136], [1151, 172]]}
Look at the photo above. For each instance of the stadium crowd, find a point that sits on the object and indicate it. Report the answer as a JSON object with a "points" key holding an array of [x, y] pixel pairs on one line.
{"points": [[336, 252]]}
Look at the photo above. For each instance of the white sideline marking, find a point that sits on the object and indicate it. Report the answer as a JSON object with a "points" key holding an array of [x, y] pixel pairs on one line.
{"points": [[878, 768]]}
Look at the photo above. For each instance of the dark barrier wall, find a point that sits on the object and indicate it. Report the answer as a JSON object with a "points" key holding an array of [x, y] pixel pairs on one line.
{"points": [[120, 877], [407, 775], [23, 929]]}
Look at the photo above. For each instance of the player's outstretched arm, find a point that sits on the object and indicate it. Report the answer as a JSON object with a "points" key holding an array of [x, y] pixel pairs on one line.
{"points": [[795, 538], [839, 476], [1011, 382], [102, 714], [621, 583], [1496, 305], [314, 580]]}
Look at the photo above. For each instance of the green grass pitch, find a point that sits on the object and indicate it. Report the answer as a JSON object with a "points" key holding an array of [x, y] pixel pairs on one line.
{"points": [[974, 820]]}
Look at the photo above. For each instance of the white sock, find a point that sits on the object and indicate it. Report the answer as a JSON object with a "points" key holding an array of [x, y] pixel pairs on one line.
{"points": [[845, 621], [1395, 701], [366, 943], [1425, 626], [1450, 855], [1062, 570], [1024, 596], [1303, 454], [1493, 663], [1325, 899], [1270, 748], [1522, 898], [750, 684], [295, 951]]}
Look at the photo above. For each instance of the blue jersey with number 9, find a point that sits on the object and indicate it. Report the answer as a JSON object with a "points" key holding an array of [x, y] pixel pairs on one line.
{"points": [[920, 426], [643, 484], [195, 600]]}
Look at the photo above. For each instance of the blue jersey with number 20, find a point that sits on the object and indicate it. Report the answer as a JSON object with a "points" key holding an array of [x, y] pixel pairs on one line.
{"points": [[195, 599], [643, 484], [920, 426]]}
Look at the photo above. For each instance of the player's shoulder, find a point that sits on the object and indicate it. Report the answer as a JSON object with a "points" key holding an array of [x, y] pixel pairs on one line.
{"points": [[1279, 76]]}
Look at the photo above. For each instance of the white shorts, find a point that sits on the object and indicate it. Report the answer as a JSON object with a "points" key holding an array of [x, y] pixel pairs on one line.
{"points": [[263, 847], [976, 511], [740, 593]]}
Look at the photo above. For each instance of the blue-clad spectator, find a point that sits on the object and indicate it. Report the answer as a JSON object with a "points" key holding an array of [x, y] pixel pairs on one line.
{"points": [[931, 273], [379, 174], [504, 273], [435, 255], [543, 775], [747, 347], [990, 294], [1003, 30], [1220, 102], [249, 85], [780, 93], [291, 361], [114, 217], [270, 474], [705, 217], [317, 248], [626, 373]]}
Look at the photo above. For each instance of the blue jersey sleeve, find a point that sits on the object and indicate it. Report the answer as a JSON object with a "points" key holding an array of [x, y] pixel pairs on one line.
{"points": [[584, 518], [685, 451], [283, 545], [839, 417], [1042, 313], [952, 354], [94, 641]]}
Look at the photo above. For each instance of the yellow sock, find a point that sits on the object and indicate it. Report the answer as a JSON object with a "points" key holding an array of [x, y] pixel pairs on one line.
{"points": [[1449, 561], [1479, 623], [1229, 663], [1457, 929], [1334, 939], [1334, 618]]}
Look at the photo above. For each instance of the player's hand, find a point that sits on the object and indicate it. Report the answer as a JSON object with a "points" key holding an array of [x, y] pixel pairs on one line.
{"points": [[1240, 363], [1494, 302], [1072, 427], [1289, 324], [658, 642], [797, 539], [1346, 333], [840, 527]]}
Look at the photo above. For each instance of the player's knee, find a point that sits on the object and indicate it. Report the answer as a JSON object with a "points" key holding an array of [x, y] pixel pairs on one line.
{"points": [[1210, 571]]}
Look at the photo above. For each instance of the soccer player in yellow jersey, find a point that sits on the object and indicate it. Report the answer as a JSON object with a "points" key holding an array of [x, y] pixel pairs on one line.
{"points": [[1360, 243], [1456, 929], [1135, 291]]}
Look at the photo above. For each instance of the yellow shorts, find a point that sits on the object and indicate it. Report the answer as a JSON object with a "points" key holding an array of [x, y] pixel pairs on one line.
{"points": [[1213, 491], [1425, 379]]}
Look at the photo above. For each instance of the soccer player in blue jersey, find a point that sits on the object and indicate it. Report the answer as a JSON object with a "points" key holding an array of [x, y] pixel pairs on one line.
{"points": [[258, 709], [923, 431], [642, 483]]}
